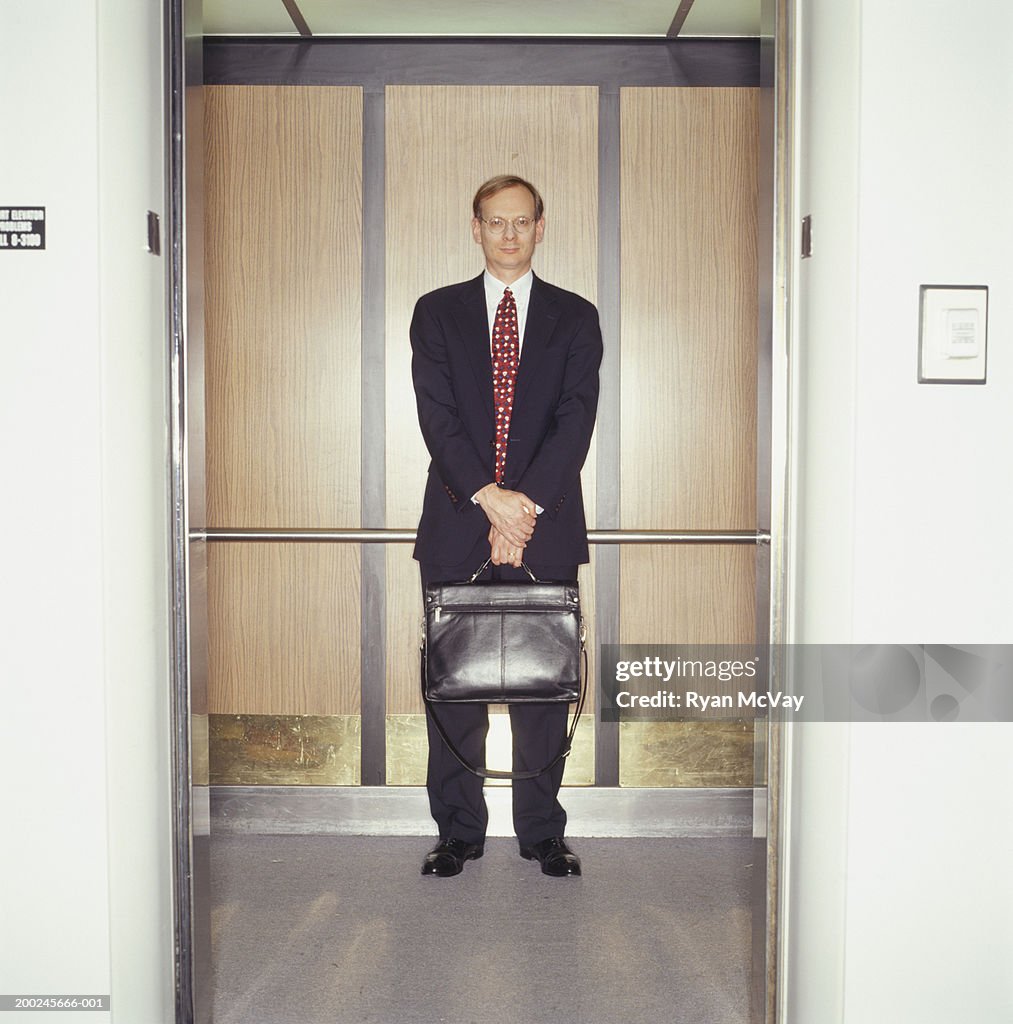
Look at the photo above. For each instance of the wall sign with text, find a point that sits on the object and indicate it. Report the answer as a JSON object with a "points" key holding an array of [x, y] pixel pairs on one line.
{"points": [[22, 227]]}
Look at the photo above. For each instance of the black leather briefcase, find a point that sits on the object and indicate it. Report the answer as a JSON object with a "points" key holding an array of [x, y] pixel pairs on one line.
{"points": [[503, 642]]}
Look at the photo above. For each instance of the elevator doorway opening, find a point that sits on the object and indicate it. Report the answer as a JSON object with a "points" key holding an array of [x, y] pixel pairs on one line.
{"points": [[323, 211]]}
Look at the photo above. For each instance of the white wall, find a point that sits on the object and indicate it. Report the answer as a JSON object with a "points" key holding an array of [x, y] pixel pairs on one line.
{"points": [[934, 484], [899, 897], [84, 864]]}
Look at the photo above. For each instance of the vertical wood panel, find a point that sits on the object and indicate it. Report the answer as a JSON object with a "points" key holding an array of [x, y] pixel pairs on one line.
{"points": [[283, 185], [689, 308], [688, 358], [282, 384], [688, 595], [283, 629], [689, 398], [442, 143]]}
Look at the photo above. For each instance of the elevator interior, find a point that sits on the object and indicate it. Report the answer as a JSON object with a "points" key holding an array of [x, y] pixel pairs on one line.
{"points": [[323, 211]]}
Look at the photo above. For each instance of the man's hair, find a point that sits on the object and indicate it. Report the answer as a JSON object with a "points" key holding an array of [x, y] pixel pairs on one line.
{"points": [[504, 181]]}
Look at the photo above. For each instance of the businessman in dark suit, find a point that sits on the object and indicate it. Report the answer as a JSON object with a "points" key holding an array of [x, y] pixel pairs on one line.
{"points": [[505, 369]]}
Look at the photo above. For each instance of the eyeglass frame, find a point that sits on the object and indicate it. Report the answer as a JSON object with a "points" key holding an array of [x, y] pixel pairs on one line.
{"points": [[512, 221]]}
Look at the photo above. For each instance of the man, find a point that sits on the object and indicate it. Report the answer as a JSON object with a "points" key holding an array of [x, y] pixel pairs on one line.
{"points": [[505, 369]]}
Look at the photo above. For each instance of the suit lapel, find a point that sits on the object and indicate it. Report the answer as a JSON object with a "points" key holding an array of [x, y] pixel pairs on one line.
{"points": [[542, 319], [473, 321]]}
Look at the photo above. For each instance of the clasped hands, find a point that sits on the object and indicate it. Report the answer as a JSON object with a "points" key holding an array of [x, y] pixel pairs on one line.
{"points": [[512, 518]]}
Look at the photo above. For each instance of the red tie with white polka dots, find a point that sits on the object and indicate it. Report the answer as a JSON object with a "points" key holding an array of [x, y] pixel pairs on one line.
{"points": [[505, 357]]}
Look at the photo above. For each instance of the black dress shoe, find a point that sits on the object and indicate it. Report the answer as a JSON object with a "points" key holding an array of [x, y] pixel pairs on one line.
{"points": [[447, 857], [556, 857]]}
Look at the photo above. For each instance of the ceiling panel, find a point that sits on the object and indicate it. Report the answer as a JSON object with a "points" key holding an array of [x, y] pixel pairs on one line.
{"points": [[482, 17], [489, 17], [247, 18], [722, 18]]}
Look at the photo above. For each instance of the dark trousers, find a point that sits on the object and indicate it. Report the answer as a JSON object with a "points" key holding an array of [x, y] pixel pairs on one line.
{"points": [[456, 799]]}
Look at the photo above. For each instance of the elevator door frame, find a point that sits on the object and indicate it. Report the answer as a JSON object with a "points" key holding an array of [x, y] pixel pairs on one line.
{"points": [[192, 818]]}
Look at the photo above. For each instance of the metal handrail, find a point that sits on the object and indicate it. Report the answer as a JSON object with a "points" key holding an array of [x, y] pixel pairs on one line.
{"points": [[378, 536]]}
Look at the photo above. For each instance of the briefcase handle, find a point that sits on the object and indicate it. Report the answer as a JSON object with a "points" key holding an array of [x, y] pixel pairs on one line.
{"points": [[492, 773], [481, 569]]}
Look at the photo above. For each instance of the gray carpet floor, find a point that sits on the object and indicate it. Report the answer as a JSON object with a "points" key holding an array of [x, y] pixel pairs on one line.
{"points": [[309, 929]]}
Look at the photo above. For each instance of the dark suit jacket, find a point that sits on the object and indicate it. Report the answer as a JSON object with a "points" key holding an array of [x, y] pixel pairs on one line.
{"points": [[555, 401]]}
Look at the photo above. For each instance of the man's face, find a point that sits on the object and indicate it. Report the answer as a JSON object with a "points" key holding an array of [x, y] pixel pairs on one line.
{"points": [[508, 255]]}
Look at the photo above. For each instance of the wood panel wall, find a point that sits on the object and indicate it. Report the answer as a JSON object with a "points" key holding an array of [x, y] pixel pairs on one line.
{"points": [[283, 250], [689, 329], [283, 242], [283, 195], [283, 629], [441, 144]]}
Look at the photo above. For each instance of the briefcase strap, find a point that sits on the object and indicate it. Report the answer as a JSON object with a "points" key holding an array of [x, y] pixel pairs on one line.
{"points": [[491, 773]]}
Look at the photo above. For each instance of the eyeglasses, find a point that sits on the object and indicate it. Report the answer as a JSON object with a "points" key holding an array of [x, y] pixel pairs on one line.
{"points": [[497, 225]]}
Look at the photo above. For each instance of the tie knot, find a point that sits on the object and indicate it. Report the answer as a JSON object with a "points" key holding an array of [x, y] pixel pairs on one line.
{"points": [[507, 294]]}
